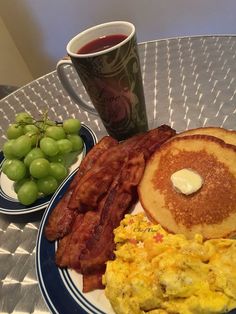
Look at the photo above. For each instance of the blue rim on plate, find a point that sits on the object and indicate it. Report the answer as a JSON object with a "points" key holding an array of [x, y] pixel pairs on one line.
{"points": [[11, 206]]}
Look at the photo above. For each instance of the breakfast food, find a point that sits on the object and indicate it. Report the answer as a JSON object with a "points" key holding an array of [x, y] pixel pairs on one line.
{"points": [[146, 269], [157, 272], [38, 154], [93, 206], [61, 219], [211, 210], [227, 136]]}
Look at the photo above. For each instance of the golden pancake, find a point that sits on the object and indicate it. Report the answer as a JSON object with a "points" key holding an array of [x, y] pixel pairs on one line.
{"points": [[226, 135], [210, 211]]}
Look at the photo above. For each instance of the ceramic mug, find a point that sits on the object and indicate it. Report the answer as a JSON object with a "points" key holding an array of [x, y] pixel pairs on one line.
{"points": [[107, 62]]}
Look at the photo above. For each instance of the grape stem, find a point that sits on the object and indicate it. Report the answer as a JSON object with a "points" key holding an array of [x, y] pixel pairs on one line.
{"points": [[39, 123]]}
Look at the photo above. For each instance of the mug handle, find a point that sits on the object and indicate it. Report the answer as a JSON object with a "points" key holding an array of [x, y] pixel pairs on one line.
{"points": [[68, 87]]}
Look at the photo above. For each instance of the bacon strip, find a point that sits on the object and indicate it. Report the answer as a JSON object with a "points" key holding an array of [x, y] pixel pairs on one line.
{"points": [[60, 220], [81, 195], [62, 217], [100, 246], [88, 162], [92, 282], [71, 246], [94, 184], [121, 196], [151, 140]]}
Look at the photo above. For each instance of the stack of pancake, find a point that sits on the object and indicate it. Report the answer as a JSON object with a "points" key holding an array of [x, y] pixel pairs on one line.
{"points": [[211, 210]]}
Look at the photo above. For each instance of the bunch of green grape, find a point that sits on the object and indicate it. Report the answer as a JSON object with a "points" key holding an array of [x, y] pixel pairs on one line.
{"points": [[38, 154]]}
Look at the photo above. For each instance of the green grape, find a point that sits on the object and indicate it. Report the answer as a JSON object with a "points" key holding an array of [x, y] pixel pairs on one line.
{"points": [[47, 185], [19, 183], [21, 146], [8, 149], [77, 142], [58, 171], [30, 128], [28, 193], [72, 125], [14, 131], [32, 155], [23, 117], [33, 132], [34, 138], [16, 170], [49, 146], [5, 165], [57, 158], [64, 145], [39, 168], [55, 132]]}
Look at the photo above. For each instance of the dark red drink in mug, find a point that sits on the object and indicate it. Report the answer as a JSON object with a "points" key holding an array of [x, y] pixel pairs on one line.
{"points": [[106, 59], [102, 43]]}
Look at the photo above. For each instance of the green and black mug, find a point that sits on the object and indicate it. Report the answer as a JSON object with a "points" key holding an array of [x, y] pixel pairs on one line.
{"points": [[107, 62]]}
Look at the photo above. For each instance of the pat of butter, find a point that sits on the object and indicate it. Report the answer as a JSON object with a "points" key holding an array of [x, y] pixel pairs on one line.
{"points": [[186, 181]]}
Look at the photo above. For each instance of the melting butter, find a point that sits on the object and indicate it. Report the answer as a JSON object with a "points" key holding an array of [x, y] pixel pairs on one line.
{"points": [[186, 181]]}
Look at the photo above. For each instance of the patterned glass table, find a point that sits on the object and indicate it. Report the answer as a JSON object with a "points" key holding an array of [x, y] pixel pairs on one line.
{"points": [[189, 82]]}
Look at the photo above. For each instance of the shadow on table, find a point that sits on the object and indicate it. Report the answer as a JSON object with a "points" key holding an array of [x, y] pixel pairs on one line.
{"points": [[6, 90]]}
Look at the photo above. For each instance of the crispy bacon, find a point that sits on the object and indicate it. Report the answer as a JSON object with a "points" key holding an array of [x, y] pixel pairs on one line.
{"points": [[64, 250], [109, 158], [71, 246], [62, 217], [90, 159], [119, 199], [148, 142], [121, 196], [92, 281], [69, 250], [95, 183]]}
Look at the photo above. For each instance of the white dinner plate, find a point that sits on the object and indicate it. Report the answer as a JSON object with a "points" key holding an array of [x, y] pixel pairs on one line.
{"points": [[62, 287]]}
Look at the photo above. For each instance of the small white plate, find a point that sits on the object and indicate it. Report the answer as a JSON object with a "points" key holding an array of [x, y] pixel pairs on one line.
{"points": [[9, 203]]}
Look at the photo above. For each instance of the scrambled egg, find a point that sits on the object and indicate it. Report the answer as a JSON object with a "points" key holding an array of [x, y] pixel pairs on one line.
{"points": [[155, 272]]}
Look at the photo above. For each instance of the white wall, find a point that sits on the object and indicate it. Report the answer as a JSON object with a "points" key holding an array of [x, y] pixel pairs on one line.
{"points": [[42, 28], [13, 69]]}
